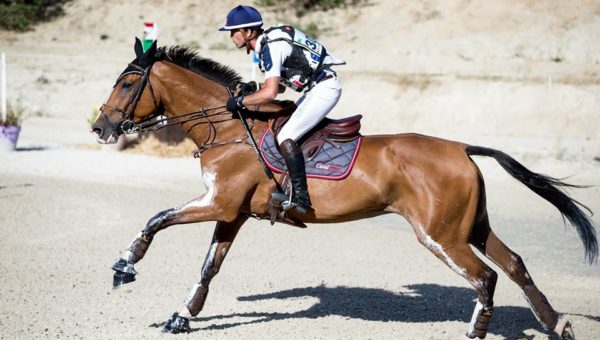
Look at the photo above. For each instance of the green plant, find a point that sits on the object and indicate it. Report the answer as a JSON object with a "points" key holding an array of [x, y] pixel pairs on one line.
{"points": [[15, 113], [311, 28], [93, 115], [20, 15], [302, 7]]}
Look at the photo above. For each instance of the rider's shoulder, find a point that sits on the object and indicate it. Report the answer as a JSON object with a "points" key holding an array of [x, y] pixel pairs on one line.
{"points": [[274, 37], [279, 31]]}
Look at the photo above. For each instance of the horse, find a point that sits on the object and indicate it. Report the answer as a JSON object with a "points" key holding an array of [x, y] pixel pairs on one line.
{"points": [[433, 183]]}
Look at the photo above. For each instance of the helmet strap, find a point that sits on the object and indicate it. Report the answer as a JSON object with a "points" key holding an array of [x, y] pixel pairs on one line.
{"points": [[249, 37]]}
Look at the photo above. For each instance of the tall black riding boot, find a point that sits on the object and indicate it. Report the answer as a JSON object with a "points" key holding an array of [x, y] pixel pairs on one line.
{"points": [[294, 160]]}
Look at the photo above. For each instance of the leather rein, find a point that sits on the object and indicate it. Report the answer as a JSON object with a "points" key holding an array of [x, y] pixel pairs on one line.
{"points": [[153, 123]]}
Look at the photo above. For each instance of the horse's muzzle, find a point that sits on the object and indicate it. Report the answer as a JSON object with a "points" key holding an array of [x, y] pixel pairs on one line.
{"points": [[103, 135]]}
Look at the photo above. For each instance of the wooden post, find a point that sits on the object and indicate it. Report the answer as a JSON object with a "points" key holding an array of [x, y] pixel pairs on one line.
{"points": [[3, 86]]}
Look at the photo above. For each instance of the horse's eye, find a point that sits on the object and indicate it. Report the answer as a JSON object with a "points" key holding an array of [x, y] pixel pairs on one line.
{"points": [[127, 86]]}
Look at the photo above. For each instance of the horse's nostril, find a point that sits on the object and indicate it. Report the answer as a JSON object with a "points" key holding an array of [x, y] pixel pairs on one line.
{"points": [[97, 131]]}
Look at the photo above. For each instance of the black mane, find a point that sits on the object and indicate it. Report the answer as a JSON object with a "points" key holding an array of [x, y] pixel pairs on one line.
{"points": [[190, 60]]}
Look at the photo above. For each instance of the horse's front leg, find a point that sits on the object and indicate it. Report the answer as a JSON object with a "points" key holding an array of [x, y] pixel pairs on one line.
{"points": [[224, 235], [205, 208]]}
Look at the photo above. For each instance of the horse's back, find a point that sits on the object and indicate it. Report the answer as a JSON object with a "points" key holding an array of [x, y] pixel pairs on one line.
{"points": [[412, 148], [416, 168]]}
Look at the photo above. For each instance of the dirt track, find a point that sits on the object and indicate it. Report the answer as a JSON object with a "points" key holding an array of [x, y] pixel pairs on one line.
{"points": [[363, 280], [520, 76]]}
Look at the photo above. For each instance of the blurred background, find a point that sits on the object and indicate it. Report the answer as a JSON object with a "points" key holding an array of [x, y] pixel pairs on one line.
{"points": [[522, 76]]}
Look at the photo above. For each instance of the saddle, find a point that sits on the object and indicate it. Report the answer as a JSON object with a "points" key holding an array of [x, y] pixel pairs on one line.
{"points": [[330, 150], [328, 130]]}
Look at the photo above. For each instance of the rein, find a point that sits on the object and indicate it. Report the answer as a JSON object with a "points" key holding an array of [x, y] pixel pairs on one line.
{"points": [[153, 123]]}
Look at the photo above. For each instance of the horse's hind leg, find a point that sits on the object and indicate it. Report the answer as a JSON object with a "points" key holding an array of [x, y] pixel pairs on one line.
{"points": [[460, 257], [225, 233], [484, 239]]}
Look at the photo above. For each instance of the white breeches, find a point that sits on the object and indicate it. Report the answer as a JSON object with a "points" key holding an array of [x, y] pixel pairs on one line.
{"points": [[313, 106]]}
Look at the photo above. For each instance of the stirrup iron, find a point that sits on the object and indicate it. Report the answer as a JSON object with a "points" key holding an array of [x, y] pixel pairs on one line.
{"points": [[285, 201]]}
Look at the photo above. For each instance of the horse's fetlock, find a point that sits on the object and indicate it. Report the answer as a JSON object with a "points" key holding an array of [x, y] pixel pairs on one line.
{"points": [[564, 329], [480, 321], [540, 306], [196, 299], [137, 249]]}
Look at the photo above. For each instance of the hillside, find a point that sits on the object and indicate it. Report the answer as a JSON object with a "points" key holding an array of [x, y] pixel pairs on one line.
{"points": [[517, 75]]}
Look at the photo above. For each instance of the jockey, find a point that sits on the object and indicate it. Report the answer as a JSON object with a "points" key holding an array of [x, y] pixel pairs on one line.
{"points": [[291, 58]]}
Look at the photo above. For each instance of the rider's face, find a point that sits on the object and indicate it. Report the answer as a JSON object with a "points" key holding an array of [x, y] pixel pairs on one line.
{"points": [[237, 38]]}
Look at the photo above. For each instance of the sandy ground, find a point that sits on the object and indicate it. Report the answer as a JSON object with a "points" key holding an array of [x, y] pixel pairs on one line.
{"points": [[518, 76]]}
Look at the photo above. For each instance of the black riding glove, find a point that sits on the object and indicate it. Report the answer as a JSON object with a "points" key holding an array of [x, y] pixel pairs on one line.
{"points": [[248, 88], [234, 104]]}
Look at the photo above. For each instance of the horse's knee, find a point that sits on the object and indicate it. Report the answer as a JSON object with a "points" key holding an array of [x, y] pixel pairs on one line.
{"points": [[157, 222]]}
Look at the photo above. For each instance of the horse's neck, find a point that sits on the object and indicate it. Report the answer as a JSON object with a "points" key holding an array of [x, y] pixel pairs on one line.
{"points": [[183, 92]]}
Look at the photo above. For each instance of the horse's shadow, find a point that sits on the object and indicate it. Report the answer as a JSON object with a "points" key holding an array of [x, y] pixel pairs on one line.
{"points": [[422, 303]]}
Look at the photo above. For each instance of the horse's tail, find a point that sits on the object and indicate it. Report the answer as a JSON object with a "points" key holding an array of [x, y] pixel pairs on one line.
{"points": [[552, 190]]}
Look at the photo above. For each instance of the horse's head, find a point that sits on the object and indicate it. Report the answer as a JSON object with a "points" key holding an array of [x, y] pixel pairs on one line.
{"points": [[132, 99]]}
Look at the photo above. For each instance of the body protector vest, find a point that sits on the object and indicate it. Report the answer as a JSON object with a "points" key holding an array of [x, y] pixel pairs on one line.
{"points": [[306, 61]]}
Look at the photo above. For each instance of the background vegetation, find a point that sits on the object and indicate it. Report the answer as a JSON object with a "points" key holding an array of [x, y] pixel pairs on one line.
{"points": [[302, 7], [15, 114], [20, 15]]}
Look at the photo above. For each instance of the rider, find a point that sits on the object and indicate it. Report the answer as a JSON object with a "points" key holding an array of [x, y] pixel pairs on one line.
{"points": [[291, 58]]}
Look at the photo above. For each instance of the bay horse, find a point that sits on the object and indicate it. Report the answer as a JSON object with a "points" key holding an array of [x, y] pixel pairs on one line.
{"points": [[432, 182]]}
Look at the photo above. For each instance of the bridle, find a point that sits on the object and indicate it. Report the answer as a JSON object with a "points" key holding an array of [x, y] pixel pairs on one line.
{"points": [[153, 122]]}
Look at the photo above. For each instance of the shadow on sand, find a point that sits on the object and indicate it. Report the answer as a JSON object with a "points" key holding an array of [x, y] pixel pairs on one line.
{"points": [[32, 148], [422, 303]]}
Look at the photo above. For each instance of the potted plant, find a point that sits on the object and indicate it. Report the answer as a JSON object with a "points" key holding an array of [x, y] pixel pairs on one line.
{"points": [[10, 126]]}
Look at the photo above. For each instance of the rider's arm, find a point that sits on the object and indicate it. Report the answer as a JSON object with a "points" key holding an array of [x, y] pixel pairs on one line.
{"points": [[281, 87], [267, 93]]}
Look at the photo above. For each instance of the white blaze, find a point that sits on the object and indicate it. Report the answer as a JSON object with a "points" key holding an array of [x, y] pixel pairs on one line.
{"points": [[207, 199]]}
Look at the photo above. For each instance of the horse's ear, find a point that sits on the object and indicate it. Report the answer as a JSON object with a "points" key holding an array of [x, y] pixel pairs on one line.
{"points": [[150, 52], [139, 50], [147, 58]]}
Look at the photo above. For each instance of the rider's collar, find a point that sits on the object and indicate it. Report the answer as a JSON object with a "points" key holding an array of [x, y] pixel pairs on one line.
{"points": [[259, 42]]}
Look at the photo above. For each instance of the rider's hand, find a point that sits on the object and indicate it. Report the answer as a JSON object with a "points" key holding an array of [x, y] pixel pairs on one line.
{"points": [[234, 104], [248, 88]]}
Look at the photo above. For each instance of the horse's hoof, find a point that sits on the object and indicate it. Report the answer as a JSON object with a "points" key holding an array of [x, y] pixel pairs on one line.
{"points": [[464, 337], [124, 273], [177, 324], [565, 329], [121, 279]]}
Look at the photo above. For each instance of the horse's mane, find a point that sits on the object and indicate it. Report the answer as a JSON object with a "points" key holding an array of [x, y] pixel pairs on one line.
{"points": [[190, 60]]}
